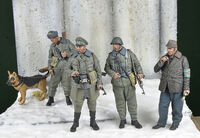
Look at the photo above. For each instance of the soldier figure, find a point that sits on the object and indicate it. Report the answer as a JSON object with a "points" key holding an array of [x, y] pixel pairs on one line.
{"points": [[174, 83], [60, 51], [122, 65], [87, 81]]}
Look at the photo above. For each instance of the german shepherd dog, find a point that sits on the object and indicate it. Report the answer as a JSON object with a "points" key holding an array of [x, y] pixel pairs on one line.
{"points": [[21, 84]]}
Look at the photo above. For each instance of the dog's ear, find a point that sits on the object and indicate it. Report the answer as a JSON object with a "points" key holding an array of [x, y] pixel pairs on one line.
{"points": [[8, 72], [14, 73]]}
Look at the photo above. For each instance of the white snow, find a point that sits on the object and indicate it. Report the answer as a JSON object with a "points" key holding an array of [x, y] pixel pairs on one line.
{"points": [[36, 120]]}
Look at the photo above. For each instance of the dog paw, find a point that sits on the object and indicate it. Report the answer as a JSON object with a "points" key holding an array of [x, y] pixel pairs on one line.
{"points": [[22, 102], [42, 97], [19, 99]]}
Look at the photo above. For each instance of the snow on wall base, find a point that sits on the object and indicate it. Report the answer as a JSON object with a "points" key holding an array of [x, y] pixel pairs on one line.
{"points": [[35, 119]]}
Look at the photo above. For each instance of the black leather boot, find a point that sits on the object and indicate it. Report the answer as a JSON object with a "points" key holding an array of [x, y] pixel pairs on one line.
{"points": [[173, 127], [50, 101], [68, 101], [157, 126], [136, 124], [122, 123], [76, 122], [93, 123]]}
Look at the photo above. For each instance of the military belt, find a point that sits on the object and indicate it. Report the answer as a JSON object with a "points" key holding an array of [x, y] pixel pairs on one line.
{"points": [[84, 80]]}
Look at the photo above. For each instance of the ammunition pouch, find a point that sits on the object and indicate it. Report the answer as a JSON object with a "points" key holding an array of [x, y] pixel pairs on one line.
{"points": [[54, 61], [92, 77], [132, 78]]}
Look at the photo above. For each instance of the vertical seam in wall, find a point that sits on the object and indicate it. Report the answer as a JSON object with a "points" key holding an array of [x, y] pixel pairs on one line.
{"points": [[112, 19], [14, 27], [64, 29], [160, 27]]}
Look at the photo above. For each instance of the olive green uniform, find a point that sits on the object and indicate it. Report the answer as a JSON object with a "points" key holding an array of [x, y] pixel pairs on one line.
{"points": [[123, 62], [89, 78], [60, 70], [84, 64]]}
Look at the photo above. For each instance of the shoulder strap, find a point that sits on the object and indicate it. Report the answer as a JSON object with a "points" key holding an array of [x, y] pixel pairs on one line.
{"points": [[93, 59], [134, 71]]}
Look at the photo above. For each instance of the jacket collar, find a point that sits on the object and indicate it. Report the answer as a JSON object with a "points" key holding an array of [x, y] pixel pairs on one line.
{"points": [[62, 40], [122, 52], [87, 53], [178, 54]]}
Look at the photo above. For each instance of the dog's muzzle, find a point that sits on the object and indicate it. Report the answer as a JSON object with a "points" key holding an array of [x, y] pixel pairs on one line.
{"points": [[9, 83]]}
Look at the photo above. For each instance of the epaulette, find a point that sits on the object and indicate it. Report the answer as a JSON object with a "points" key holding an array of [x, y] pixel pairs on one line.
{"points": [[63, 40]]}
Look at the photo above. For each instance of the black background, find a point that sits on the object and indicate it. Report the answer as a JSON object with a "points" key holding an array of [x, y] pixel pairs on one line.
{"points": [[188, 41], [189, 45], [7, 54]]}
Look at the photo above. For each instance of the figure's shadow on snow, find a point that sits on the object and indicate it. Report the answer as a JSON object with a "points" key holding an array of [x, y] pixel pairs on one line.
{"points": [[59, 101], [148, 118]]}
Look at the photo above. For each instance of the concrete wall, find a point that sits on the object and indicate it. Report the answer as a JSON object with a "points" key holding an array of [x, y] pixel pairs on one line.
{"points": [[33, 19], [144, 25]]}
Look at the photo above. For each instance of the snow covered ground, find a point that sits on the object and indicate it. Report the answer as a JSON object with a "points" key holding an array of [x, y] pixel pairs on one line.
{"points": [[36, 120]]}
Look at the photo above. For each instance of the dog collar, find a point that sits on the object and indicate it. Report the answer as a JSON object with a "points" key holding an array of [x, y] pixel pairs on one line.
{"points": [[18, 84]]}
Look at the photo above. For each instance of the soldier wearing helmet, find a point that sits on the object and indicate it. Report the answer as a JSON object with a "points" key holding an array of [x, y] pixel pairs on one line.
{"points": [[122, 65]]}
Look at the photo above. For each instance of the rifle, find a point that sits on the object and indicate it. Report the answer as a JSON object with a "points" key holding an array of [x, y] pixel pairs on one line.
{"points": [[140, 82], [104, 92]]}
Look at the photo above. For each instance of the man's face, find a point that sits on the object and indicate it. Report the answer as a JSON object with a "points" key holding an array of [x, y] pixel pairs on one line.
{"points": [[55, 40], [116, 47], [81, 49], [171, 51]]}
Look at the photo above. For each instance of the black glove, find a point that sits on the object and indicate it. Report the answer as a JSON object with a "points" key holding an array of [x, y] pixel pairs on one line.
{"points": [[76, 79]]}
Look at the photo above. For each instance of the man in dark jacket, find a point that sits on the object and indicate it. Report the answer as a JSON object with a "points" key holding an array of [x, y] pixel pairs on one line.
{"points": [[174, 83]]}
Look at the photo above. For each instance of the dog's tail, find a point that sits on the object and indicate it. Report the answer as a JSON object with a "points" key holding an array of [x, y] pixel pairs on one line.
{"points": [[47, 74], [44, 69]]}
